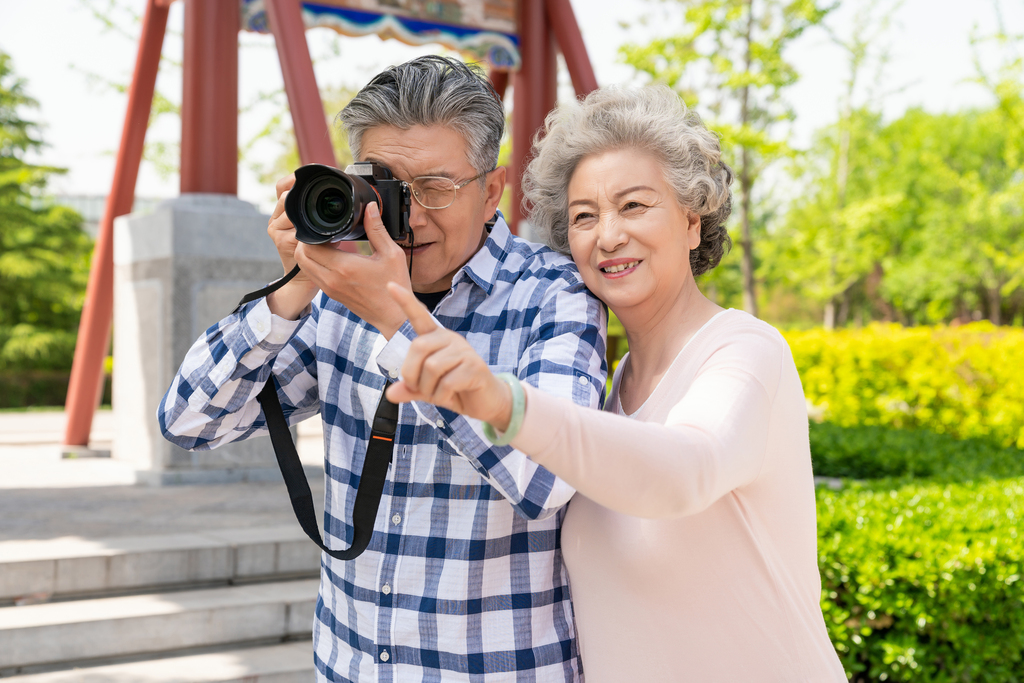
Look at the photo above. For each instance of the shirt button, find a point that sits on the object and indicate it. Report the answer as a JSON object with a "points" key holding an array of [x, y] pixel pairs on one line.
{"points": [[397, 519], [386, 589], [384, 656], [582, 379], [392, 374], [440, 423], [259, 327]]}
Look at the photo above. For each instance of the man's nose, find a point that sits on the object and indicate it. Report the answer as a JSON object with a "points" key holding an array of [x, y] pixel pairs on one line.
{"points": [[417, 215]]}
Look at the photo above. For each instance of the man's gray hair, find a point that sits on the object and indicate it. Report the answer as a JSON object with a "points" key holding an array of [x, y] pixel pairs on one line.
{"points": [[431, 91], [653, 120]]}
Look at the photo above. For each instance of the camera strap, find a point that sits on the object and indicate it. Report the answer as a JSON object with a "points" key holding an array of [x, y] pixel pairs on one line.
{"points": [[379, 451], [272, 287]]}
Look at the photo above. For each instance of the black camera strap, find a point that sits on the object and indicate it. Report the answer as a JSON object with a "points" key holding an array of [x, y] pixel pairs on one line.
{"points": [[371, 481], [379, 451], [272, 287]]}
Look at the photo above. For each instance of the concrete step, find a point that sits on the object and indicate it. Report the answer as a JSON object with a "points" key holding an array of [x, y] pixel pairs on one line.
{"points": [[37, 571], [75, 632], [287, 663]]}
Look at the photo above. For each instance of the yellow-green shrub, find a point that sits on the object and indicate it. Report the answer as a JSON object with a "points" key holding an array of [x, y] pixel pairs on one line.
{"points": [[964, 381]]}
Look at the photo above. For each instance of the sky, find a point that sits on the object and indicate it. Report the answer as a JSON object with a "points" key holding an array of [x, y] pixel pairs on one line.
{"points": [[58, 47]]}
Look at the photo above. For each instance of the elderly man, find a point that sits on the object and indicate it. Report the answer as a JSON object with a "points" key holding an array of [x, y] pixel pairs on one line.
{"points": [[463, 577]]}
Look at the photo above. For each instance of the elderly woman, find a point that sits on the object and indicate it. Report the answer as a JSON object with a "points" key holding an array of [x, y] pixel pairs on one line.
{"points": [[691, 542]]}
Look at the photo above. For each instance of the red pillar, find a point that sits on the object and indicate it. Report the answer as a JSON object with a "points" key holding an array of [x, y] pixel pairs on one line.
{"points": [[307, 109], [499, 81], [304, 103], [209, 101], [570, 41], [535, 91], [94, 327]]}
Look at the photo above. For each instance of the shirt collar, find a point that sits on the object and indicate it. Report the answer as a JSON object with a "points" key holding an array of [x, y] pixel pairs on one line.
{"points": [[486, 263]]}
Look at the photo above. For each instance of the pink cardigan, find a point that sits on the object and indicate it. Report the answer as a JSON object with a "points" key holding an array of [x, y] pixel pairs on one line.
{"points": [[691, 543]]}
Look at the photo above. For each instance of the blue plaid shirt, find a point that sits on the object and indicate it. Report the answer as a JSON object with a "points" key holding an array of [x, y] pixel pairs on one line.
{"points": [[463, 579]]}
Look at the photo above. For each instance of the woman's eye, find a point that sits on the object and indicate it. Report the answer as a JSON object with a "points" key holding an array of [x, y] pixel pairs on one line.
{"points": [[581, 217], [632, 205]]}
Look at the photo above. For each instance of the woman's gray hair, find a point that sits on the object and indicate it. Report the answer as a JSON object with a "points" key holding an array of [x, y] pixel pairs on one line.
{"points": [[431, 91], [653, 120]]}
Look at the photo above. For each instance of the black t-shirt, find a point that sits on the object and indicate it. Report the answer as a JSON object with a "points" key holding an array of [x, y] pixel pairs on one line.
{"points": [[431, 299]]}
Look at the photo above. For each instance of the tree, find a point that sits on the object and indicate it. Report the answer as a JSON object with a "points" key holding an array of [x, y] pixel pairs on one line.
{"points": [[279, 131], [832, 238], [1006, 84], [267, 111], [44, 254], [835, 234], [729, 61], [960, 230]]}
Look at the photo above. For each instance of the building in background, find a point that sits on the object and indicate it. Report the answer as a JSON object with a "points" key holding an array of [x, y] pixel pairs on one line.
{"points": [[91, 207]]}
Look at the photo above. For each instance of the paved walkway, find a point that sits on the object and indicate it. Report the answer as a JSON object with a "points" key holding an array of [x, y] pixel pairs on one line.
{"points": [[43, 496]]}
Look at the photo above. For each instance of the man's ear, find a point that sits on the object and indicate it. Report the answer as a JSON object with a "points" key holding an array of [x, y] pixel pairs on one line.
{"points": [[493, 187]]}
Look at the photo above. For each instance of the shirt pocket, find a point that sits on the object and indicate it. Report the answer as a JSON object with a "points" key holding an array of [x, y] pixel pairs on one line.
{"points": [[448, 444]]}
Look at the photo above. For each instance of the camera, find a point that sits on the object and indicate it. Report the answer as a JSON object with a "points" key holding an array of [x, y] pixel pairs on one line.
{"points": [[327, 205]]}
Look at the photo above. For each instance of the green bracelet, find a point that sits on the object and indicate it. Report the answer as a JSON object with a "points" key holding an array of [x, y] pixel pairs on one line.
{"points": [[515, 422]]}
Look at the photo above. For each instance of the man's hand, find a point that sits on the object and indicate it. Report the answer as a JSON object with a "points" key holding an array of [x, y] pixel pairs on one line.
{"points": [[443, 369], [289, 301], [355, 280]]}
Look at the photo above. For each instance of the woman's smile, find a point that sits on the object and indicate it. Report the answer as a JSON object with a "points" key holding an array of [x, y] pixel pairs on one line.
{"points": [[620, 267]]}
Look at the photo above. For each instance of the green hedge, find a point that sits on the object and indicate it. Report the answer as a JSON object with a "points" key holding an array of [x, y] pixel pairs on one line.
{"points": [[870, 452], [921, 581], [39, 388], [963, 381]]}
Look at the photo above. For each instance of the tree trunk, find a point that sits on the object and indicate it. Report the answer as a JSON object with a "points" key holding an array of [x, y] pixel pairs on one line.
{"points": [[878, 302], [746, 185], [830, 314], [844, 309], [995, 304], [747, 242]]}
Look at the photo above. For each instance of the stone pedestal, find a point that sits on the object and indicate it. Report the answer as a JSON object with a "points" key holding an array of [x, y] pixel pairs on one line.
{"points": [[177, 271]]}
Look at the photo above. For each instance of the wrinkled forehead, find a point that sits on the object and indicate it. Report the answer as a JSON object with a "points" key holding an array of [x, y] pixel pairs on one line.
{"points": [[418, 151]]}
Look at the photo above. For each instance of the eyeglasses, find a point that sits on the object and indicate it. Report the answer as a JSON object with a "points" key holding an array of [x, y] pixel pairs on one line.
{"points": [[435, 192]]}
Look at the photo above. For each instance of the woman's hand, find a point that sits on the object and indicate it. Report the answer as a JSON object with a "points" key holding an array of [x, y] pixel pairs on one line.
{"points": [[443, 369]]}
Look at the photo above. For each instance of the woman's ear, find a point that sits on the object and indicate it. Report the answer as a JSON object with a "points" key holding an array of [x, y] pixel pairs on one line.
{"points": [[693, 231]]}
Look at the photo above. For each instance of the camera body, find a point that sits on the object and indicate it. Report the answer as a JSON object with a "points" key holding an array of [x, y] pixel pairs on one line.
{"points": [[327, 205]]}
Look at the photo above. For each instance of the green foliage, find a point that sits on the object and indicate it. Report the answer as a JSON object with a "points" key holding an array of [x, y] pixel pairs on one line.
{"points": [[833, 235], [934, 202], [966, 381], [39, 388], [729, 59], [729, 50], [281, 133], [921, 581], [919, 552], [44, 255], [920, 219], [872, 452], [961, 213]]}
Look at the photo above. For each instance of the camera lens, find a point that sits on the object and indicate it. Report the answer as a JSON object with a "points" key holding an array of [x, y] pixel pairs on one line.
{"points": [[326, 205], [329, 206]]}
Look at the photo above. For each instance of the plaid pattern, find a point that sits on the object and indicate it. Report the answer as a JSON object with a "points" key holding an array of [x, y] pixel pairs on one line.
{"points": [[463, 579]]}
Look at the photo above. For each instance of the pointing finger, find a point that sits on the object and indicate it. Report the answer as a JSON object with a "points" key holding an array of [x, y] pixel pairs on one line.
{"points": [[419, 316]]}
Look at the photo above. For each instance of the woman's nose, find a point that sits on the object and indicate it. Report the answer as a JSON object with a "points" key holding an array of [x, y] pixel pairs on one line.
{"points": [[610, 233]]}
